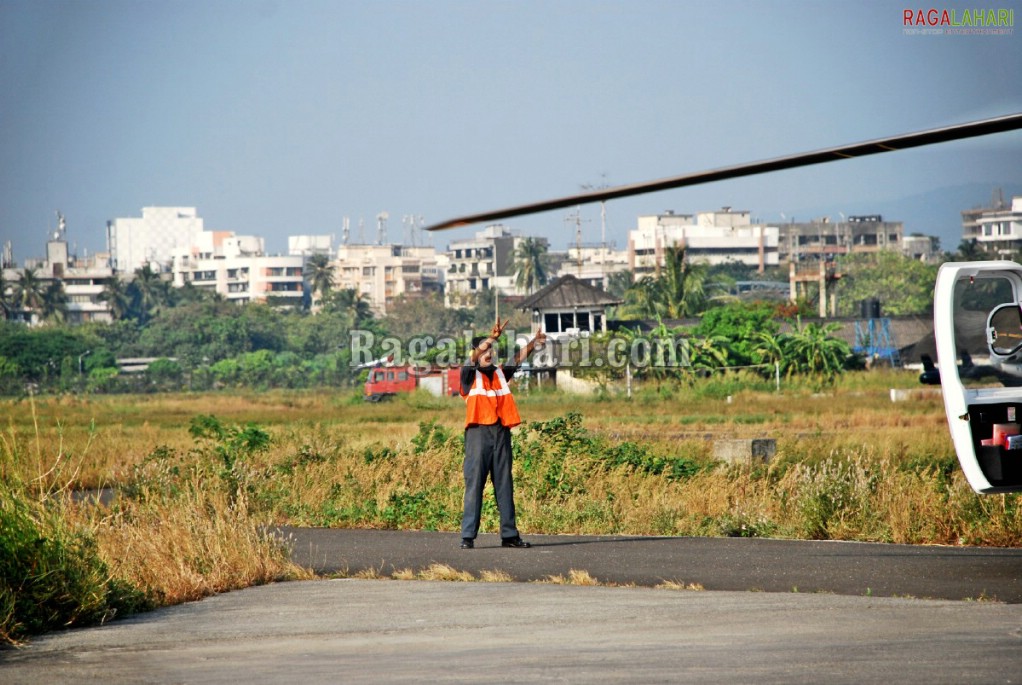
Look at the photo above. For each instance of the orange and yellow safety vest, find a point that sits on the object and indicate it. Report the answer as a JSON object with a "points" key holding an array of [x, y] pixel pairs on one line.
{"points": [[491, 401]]}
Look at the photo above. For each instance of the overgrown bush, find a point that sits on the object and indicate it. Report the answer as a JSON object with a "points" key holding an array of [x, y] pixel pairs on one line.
{"points": [[51, 572]]}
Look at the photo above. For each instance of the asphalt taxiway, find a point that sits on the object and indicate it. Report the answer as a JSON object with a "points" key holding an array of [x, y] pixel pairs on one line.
{"points": [[770, 612]]}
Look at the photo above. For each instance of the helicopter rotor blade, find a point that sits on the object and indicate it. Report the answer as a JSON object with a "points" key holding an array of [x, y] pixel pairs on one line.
{"points": [[1010, 122]]}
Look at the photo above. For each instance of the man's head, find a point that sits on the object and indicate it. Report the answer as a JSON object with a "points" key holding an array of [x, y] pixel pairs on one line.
{"points": [[487, 357]]}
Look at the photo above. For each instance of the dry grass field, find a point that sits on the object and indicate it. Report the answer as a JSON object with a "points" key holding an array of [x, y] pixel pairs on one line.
{"points": [[200, 476]]}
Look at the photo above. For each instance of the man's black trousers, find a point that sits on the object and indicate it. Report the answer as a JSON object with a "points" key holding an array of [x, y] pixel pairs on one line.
{"points": [[488, 453]]}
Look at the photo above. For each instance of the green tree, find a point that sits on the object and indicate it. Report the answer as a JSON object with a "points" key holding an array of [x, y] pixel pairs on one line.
{"points": [[678, 291], [6, 297], [741, 324], [410, 316], [39, 353], [619, 282], [970, 251], [149, 293], [165, 374], [530, 264], [319, 273], [710, 352], [115, 294], [54, 308], [28, 292], [768, 347], [903, 285], [812, 350], [682, 284], [349, 303]]}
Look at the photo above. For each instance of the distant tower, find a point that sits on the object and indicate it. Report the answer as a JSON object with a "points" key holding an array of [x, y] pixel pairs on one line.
{"points": [[576, 218], [346, 231], [7, 261], [381, 225]]}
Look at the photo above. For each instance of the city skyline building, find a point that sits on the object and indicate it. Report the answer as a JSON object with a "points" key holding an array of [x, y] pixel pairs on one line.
{"points": [[997, 228], [712, 237], [238, 268], [152, 238]]}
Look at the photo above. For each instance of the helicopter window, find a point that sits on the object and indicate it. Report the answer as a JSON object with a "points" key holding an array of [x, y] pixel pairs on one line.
{"points": [[1004, 330], [976, 301]]}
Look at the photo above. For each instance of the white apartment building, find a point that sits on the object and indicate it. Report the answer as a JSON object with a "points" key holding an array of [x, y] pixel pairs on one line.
{"points": [[485, 261], [711, 237], [593, 264], [997, 228], [84, 281], [153, 238], [380, 273], [237, 268]]}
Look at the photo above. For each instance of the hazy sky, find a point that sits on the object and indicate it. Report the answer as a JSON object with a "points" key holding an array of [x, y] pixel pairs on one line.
{"points": [[280, 118]]}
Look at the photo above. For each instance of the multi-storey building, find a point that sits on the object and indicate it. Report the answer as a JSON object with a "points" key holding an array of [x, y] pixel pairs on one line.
{"points": [[711, 237], [824, 239], [82, 279], [153, 238], [380, 273], [997, 228], [486, 261], [238, 268], [593, 264], [923, 248]]}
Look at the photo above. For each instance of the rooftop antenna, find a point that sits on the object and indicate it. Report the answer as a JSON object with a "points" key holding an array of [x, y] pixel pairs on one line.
{"points": [[603, 206], [381, 226], [428, 236], [61, 227], [577, 218], [361, 231]]}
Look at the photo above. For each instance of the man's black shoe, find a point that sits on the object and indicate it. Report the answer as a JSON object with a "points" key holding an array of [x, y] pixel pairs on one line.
{"points": [[467, 543], [515, 542]]}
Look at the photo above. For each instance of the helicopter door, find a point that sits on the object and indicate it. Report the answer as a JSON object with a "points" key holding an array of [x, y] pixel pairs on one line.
{"points": [[978, 329]]}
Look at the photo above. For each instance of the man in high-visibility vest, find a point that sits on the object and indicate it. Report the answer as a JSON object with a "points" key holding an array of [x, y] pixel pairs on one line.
{"points": [[490, 415]]}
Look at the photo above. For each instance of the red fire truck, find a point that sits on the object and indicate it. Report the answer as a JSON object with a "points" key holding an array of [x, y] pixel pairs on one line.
{"points": [[387, 381]]}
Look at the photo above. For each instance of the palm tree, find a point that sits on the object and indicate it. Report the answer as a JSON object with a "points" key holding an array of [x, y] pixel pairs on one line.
{"points": [[675, 293], [530, 264], [682, 284], [812, 350], [115, 294], [149, 290], [319, 273], [28, 292], [6, 299], [619, 282], [54, 302], [644, 299], [970, 251], [349, 302]]}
